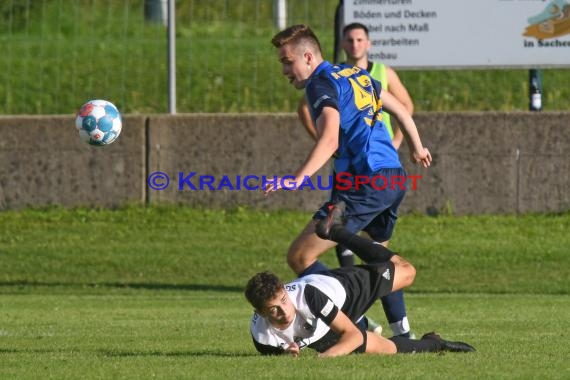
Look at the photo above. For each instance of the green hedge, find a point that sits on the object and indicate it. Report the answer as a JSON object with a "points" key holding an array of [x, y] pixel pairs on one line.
{"points": [[58, 54]]}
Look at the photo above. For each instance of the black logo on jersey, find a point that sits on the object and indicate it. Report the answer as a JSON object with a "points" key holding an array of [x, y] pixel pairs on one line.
{"points": [[309, 326]]}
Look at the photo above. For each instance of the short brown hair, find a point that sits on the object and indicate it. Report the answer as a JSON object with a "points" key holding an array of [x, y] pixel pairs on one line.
{"points": [[296, 35], [261, 288], [353, 26]]}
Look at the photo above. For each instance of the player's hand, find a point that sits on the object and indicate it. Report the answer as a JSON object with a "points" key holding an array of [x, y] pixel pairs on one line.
{"points": [[293, 350], [279, 183], [423, 158], [272, 186]]}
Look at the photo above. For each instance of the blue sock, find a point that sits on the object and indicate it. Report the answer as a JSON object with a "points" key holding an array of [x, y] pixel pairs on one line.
{"points": [[315, 267], [395, 310]]}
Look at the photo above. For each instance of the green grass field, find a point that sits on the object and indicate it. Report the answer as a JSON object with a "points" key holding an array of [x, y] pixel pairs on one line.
{"points": [[157, 292]]}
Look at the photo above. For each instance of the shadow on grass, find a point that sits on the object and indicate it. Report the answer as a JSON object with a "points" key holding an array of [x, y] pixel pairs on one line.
{"points": [[120, 354], [119, 285], [19, 286]]}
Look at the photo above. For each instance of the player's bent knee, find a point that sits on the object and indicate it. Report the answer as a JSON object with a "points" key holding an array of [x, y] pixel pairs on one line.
{"points": [[299, 260], [295, 263], [293, 260], [409, 273], [306, 249], [405, 273], [411, 270]]}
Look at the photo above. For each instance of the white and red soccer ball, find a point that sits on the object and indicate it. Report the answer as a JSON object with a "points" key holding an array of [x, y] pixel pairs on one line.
{"points": [[98, 122]]}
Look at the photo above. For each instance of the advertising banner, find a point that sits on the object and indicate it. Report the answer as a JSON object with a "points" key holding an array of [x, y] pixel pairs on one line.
{"points": [[465, 33]]}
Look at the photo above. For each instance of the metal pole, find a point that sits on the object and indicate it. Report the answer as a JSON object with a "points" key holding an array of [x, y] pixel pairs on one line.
{"points": [[280, 13], [338, 26], [171, 58]]}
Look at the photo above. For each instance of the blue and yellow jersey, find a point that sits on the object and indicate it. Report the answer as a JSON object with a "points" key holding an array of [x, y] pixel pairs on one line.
{"points": [[378, 71], [365, 145]]}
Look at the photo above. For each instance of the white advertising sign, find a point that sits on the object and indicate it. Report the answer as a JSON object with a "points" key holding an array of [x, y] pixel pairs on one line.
{"points": [[465, 33]]}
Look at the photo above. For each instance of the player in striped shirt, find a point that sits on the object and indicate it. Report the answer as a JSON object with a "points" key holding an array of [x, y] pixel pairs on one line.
{"points": [[321, 311]]}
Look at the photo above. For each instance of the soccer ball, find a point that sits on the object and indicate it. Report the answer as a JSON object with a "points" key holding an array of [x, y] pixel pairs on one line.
{"points": [[98, 122]]}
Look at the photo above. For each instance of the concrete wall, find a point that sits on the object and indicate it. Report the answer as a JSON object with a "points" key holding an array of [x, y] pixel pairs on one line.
{"points": [[43, 162], [494, 163], [230, 145], [483, 162]]}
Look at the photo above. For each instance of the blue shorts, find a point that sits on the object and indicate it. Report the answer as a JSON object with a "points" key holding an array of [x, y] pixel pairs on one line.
{"points": [[370, 207]]}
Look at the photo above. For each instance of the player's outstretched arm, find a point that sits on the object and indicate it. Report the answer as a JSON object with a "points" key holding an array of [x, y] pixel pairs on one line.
{"points": [[397, 88], [327, 144], [419, 153], [351, 337]]}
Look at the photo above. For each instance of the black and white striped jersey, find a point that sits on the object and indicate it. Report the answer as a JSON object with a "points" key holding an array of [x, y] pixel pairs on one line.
{"points": [[317, 299]]}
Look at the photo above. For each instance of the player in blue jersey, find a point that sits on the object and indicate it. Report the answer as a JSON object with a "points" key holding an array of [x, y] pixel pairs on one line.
{"points": [[321, 311], [346, 104], [356, 44]]}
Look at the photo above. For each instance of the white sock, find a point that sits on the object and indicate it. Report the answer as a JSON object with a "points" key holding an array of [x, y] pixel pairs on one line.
{"points": [[400, 327]]}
